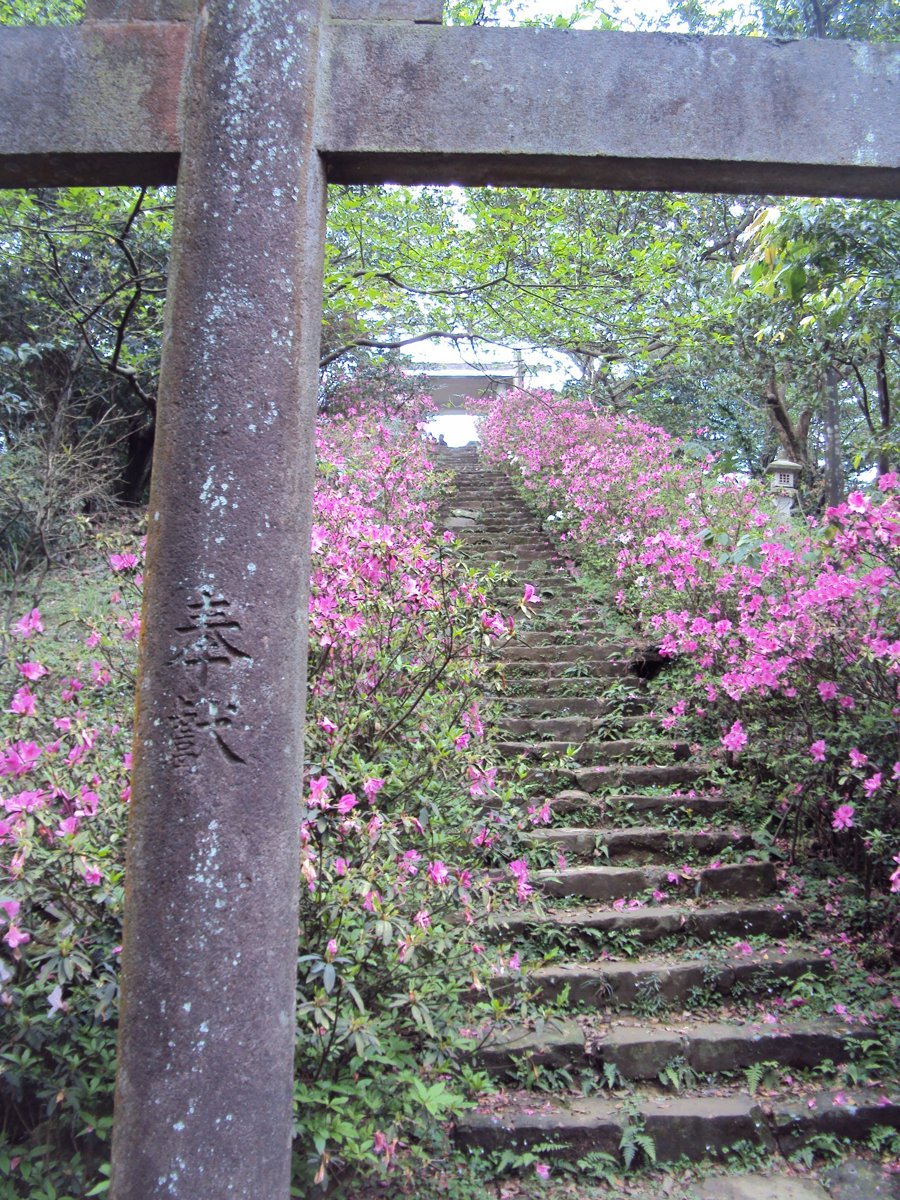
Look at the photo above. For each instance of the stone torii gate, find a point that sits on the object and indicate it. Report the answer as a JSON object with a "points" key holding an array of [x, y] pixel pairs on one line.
{"points": [[252, 105]]}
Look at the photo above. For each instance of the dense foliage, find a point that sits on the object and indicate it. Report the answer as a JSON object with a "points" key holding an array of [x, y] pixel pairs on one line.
{"points": [[786, 633], [402, 804]]}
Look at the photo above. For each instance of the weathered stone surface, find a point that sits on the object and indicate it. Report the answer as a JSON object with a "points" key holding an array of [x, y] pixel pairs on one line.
{"points": [[95, 103], [703, 1127], [739, 879], [851, 1113], [594, 883], [672, 980], [589, 1125], [599, 109], [638, 1052], [744, 880], [689, 1126], [724, 1047], [423, 104], [594, 779], [140, 10], [858, 1179], [458, 523], [641, 843], [426, 12], [651, 923], [555, 1044], [759, 1187]]}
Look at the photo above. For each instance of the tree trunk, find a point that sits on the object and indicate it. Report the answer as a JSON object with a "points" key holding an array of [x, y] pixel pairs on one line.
{"points": [[135, 477], [884, 411], [831, 419], [794, 438]]}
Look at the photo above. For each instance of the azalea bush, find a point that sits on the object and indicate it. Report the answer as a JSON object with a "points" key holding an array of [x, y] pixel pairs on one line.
{"points": [[785, 633], [405, 824]]}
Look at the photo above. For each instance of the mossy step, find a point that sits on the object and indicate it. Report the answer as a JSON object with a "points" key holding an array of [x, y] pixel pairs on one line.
{"points": [[596, 779], [575, 800], [643, 1050], [567, 636], [692, 1127], [597, 751], [744, 880], [589, 706], [575, 729], [576, 652], [645, 843], [556, 683], [672, 980], [650, 923]]}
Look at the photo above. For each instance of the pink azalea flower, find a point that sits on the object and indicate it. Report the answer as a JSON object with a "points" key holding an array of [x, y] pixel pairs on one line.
{"points": [[462, 741], [438, 873], [318, 788], [347, 803], [31, 670], [332, 948], [530, 596], [858, 759], [843, 817], [542, 1170], [857, 502], [871, 785], [123, 562], [11, 908], [409, 862], [23, 704], [817, 750], [92, 877], [29, 624], [371, 788], [735, 739], [422, 919], [16, 937], [340, 867]]}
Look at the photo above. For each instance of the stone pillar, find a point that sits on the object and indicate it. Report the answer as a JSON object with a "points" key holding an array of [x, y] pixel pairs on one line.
{"points": [[203, 1099]]}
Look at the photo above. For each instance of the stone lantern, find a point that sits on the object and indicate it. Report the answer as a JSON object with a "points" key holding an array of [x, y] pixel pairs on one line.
{"points": [[784, 476]]}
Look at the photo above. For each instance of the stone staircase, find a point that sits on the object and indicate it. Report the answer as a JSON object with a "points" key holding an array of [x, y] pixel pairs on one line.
{"points": [[662, 956]]}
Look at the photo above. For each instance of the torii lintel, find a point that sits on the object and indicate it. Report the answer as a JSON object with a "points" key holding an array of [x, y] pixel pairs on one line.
{"points": [[404, 101]]}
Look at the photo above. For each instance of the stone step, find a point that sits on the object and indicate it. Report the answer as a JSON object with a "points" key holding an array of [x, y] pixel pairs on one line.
{"points": [[643, 1050], [586, 706], [597, 751], [641, 844], [576, 652], [744, 880], [555, 679], [688, 1127], [575, 800], [669, 981], [639, 1052], [595, 779], [575, 729], [739, 919]]}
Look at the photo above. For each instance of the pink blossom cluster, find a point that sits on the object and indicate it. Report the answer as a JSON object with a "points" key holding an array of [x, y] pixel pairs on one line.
{"points": [[794, 625]]}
